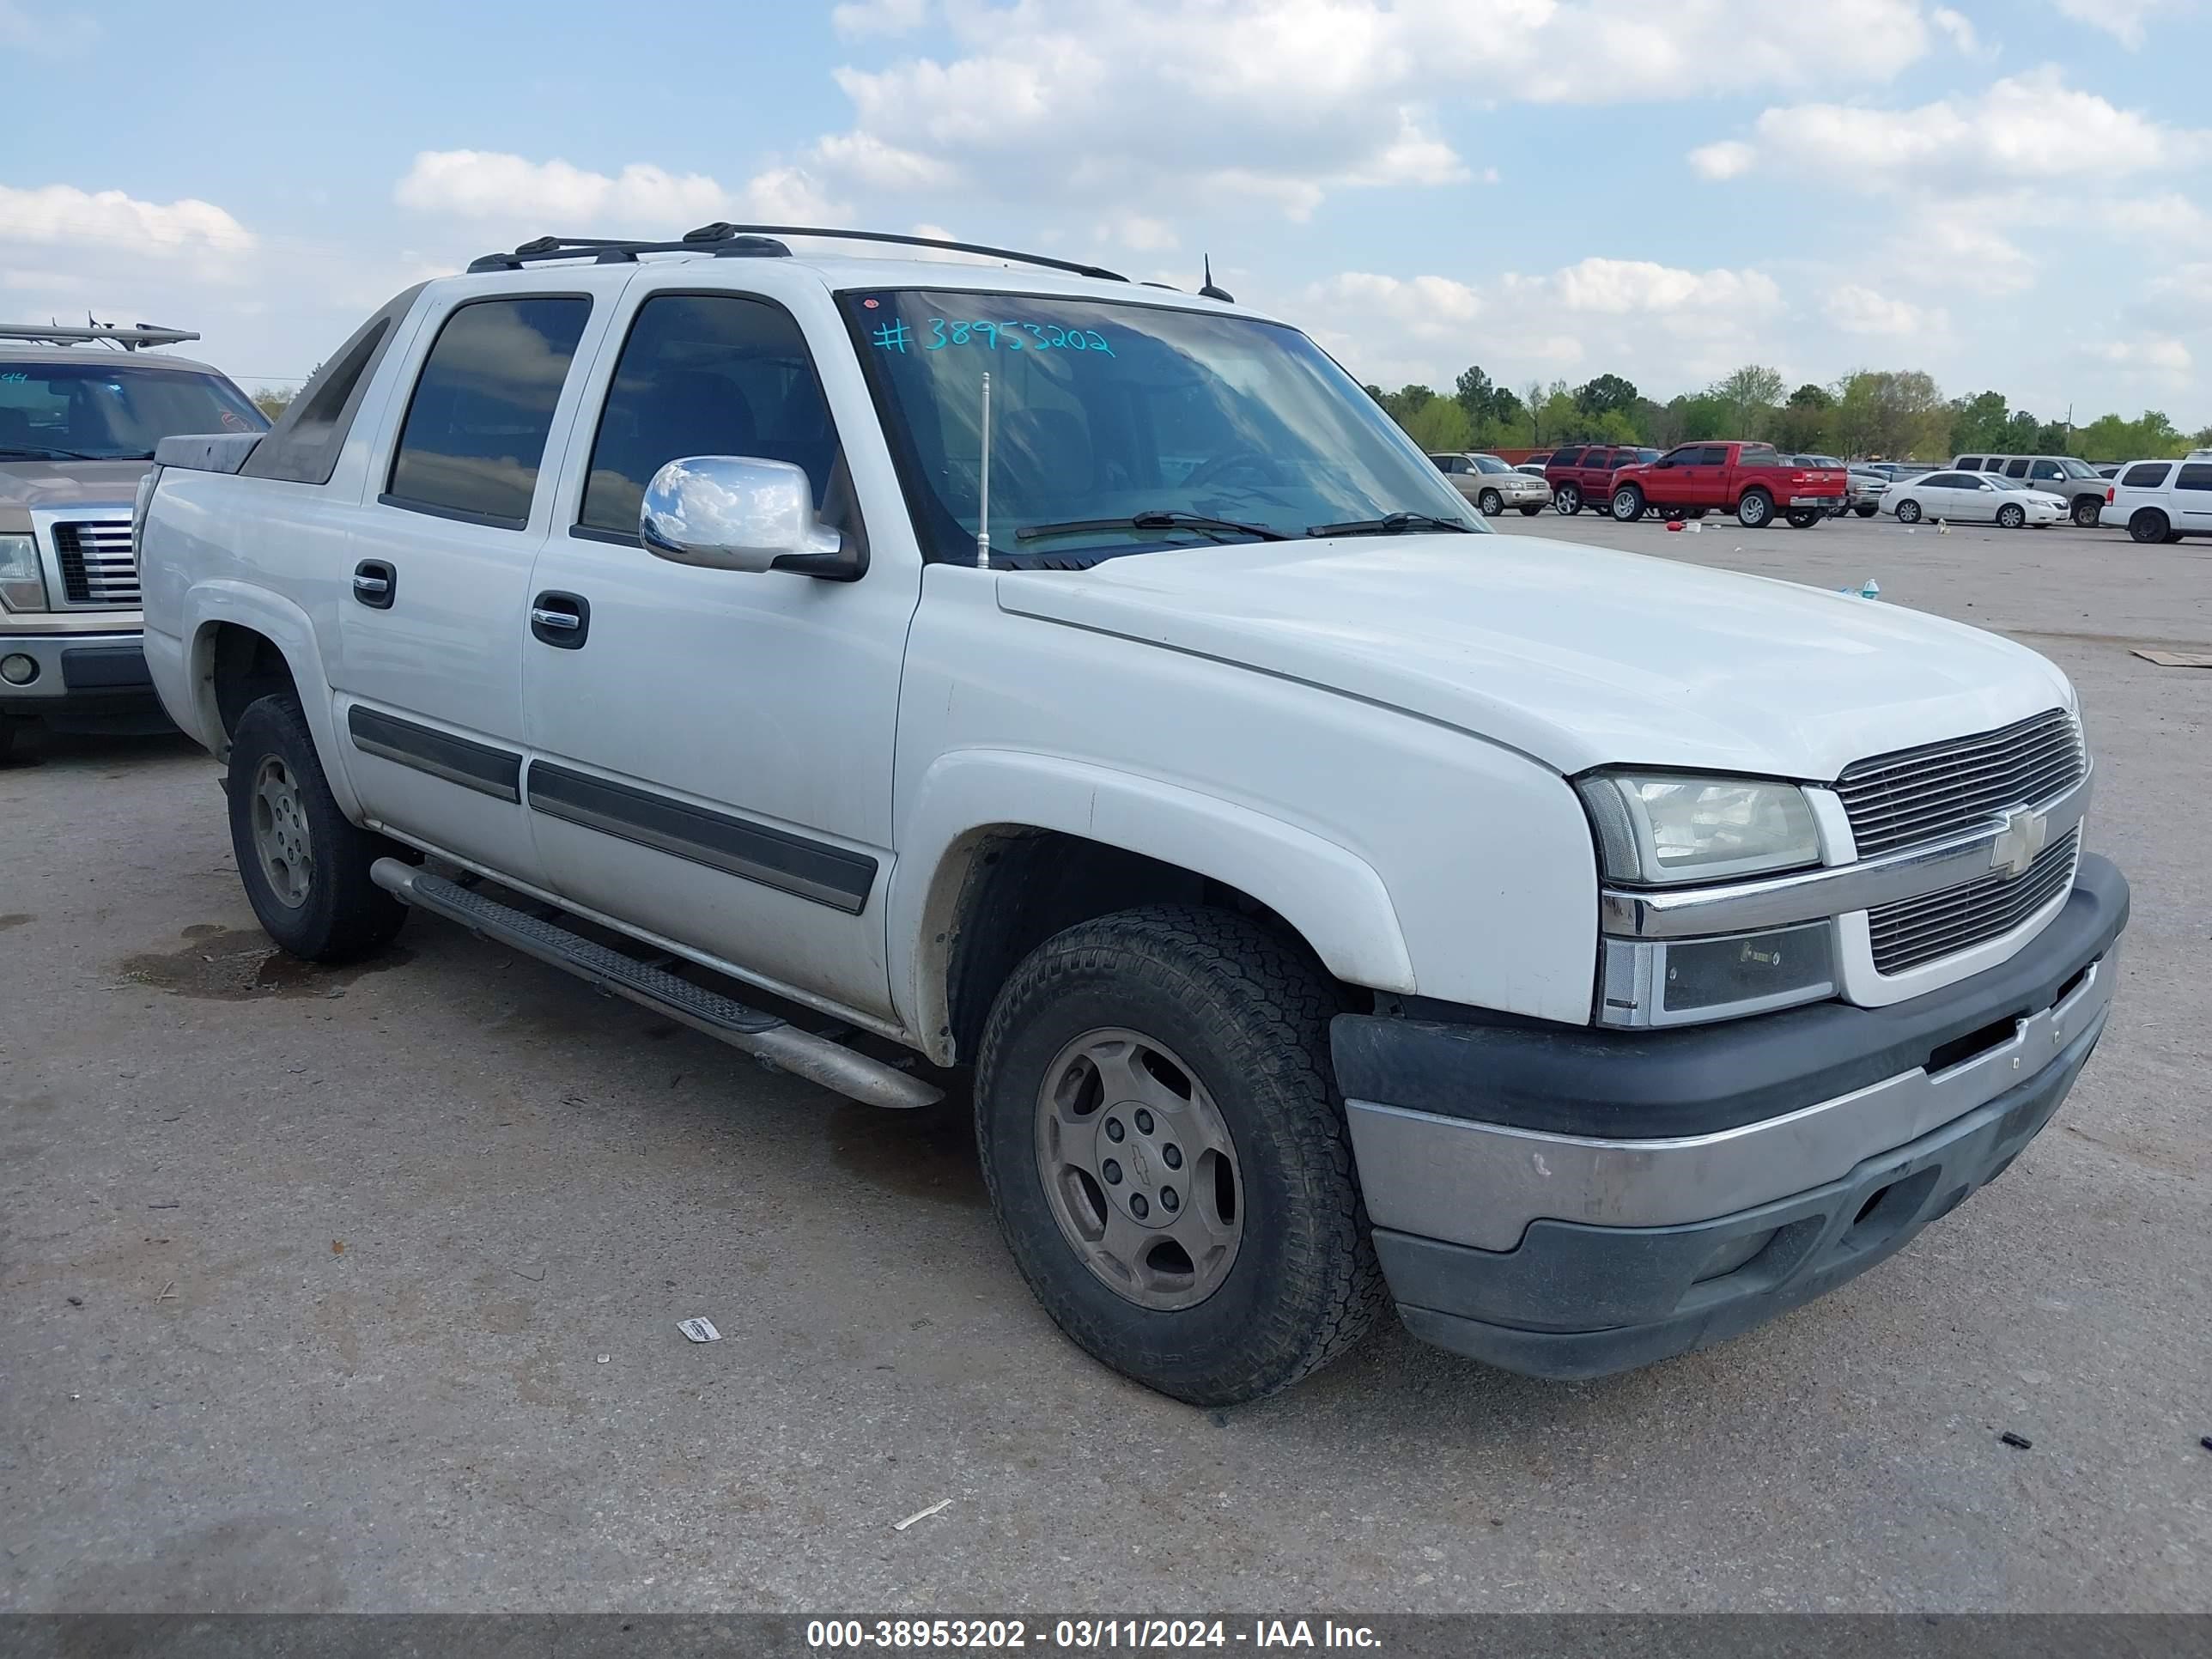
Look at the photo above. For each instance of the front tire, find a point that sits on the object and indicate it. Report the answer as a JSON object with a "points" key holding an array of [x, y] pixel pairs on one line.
{"points": [[305, 867], [2149, 526], [1867, 511], [2011, 516], [1530, 512], [1908, 512], [1627, 504], [2088, 512], [1491, 502], [1167, 1156], [1568, 499], [1754, 509], [19, 739]]}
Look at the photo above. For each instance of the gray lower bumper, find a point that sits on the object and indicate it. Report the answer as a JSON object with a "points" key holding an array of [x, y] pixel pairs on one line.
{"points": [[1575, 1301], [107, 669], [1483, 1184]]}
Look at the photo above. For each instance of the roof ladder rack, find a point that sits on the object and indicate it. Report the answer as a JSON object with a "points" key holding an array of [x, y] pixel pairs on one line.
{"points": [[130, 339], [726, 240]]}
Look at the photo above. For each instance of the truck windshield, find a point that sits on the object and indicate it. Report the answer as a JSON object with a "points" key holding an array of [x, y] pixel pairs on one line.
{"points": [[1118, 429], [103, 411]]}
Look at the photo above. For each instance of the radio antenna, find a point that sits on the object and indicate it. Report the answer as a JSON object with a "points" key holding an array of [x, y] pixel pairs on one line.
{"points": [[983, 520]]}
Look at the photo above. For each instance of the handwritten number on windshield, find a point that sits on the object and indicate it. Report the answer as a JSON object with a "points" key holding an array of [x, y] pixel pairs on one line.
{"points": [[943, 331]]}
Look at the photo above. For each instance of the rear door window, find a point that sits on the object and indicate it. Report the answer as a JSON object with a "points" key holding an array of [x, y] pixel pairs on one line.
{"points": [[476, 427]]}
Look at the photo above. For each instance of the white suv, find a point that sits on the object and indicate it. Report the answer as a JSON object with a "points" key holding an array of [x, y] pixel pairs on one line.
{"points": [[1016, 668], [2165, 500]]}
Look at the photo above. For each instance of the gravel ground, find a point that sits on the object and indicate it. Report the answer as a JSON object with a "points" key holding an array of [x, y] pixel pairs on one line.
{"points": [[359, 1289]]}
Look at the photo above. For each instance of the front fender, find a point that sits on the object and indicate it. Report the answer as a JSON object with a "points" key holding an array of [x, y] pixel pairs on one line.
{"points": [[1336, 899], [289, 629]]}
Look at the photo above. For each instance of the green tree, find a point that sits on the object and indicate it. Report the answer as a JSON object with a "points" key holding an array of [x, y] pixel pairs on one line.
{"points": [[1440, 424], [1894, 413], [1751, 395], [1706, 415], [1605, 394], [1806, 421], [1507, 424], [1978, 423], [2021, 434], [273, 400]]}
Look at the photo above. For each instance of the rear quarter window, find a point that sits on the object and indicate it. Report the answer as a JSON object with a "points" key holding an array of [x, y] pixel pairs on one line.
{"points": [[2196, 476], [2146, 474]]}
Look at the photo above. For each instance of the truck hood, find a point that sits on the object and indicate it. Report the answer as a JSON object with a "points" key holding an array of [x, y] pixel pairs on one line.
{"points": [[48, 485], [1578, 656]]}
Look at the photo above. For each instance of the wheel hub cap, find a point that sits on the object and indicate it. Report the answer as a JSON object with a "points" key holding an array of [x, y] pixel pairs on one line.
{"points": [[1138, 1168], [280, 833]]}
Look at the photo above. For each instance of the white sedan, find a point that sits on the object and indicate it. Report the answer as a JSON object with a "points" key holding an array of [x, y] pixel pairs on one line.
{"points": [[1971, 498]]}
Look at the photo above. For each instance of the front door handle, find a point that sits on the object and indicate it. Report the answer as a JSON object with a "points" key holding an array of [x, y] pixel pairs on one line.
{"points": [[559, 620], [374, 584]]}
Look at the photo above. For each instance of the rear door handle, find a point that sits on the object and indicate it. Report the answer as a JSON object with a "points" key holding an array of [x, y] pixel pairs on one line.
{"points": [[374, 584], [559, 620]]}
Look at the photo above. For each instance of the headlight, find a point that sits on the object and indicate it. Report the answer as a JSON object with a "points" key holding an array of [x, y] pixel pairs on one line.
{"points": [[22, 587], [1654, 829]]}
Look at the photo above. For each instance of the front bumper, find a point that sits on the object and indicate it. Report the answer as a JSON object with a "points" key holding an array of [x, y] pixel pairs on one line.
{"points": [[94, 676], [1572, 1203]]}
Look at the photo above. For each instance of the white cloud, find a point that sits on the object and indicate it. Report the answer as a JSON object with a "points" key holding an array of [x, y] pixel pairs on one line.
{"points": [[1727, 159], [1282, 103], [2024, 128], [2122, 19], [1958, 28], [1620, 286], [1965, 244], [63, 214], [558, 196], [1859, 310], [1428, 308], [49, 31], [2154, 357], [1140, 232]]}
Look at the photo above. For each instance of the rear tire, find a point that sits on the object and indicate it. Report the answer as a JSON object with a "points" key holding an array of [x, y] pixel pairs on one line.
{"points": [[304, 866], [1567, 499], [2149, 526], [1804, 518], [1491, 502], [1754, 509], [1627, 504], [1217, 1028], [1908, 512]]}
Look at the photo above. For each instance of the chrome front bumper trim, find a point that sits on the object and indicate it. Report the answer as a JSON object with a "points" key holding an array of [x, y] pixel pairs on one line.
{"points": [[1481, 1184], [1742, 907]]}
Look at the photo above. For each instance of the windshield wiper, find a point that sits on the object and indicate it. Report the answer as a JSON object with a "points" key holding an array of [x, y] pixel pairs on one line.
{"points": [[41, 453], [1390, 524], [1154, 521]]}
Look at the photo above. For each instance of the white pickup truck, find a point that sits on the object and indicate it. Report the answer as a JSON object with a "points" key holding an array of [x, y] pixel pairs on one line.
{"points": [[1008, 666]]}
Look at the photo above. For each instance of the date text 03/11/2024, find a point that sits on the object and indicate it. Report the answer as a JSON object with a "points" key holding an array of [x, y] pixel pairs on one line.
{"points": [[896, 336], [1084, 1635]]}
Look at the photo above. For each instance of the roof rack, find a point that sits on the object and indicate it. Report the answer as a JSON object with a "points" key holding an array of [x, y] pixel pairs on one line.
{"points": [[130, 339], [726, 240]]}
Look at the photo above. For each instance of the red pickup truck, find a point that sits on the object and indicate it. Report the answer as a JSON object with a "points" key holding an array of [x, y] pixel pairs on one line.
{"points": [[1751, 480]]}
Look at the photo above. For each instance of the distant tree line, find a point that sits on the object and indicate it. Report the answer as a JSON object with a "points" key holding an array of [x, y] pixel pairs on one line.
{"points": [[1871, 412]]}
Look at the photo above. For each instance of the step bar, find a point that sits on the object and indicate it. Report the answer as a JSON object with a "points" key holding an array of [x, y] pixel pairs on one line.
{"points": [[609, 971]]}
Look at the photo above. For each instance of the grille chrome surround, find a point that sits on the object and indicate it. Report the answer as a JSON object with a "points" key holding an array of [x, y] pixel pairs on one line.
{"points": [[1916, 795], [1905, 935], [98, 564]]}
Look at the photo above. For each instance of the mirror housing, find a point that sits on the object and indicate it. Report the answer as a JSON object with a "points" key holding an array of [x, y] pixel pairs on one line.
{"points": [[737, 512]]}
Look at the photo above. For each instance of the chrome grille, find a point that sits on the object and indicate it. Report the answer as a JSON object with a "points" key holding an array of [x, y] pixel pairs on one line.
{"points": [[97, 564], [1923, 794], [1914, 931]]}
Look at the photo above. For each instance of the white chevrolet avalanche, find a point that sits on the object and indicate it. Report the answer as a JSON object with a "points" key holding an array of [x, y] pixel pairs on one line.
{"points": [[1011, 668]]}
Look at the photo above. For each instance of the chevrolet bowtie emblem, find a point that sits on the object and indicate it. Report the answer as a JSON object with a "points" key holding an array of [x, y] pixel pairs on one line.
{"points": [[2019, 841]]}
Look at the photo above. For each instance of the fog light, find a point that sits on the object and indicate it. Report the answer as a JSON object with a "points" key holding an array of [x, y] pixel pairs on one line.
{"points": [[1675, 981], [17, 669]]}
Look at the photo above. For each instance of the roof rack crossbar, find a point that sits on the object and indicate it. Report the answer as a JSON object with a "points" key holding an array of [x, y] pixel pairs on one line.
{"points": [[145, 334], [722, 237]]}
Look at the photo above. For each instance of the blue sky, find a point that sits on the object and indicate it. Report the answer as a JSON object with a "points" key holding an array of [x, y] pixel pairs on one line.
{"points": [[2012, 194]]}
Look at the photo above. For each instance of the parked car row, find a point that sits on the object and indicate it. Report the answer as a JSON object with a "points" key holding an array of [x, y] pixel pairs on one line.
{"points": [[1492, 485]]}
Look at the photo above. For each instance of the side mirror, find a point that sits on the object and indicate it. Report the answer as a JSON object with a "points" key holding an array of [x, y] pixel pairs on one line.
{"points": [[732, 512]]}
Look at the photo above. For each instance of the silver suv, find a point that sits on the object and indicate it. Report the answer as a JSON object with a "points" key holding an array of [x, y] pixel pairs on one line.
{"points": [[1493, 485], [81, 409], [2075, 481]]}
